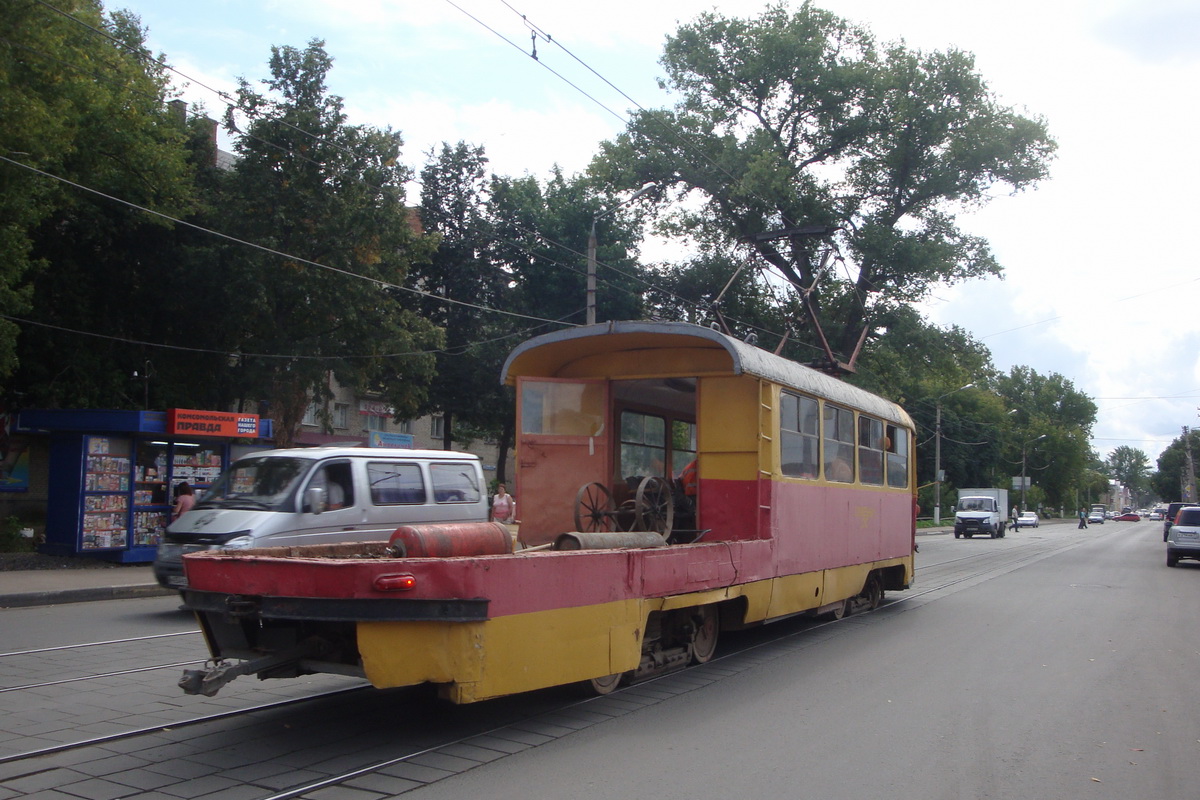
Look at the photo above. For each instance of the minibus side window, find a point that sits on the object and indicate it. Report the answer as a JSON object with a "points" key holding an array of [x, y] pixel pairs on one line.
{"points": [[454, 483], [395, 483]]}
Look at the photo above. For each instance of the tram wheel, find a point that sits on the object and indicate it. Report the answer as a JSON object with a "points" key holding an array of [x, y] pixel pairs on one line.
{"points": [[593, 508], [606, 684], [704, 638], [654, 507], [872, 593]]}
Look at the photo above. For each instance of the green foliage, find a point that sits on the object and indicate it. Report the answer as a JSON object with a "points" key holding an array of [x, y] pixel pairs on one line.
{"points": [[11, 540], [800, 119], [466, 387], [318, 190], [1131, 467], [88, 109], [1170, 478], [1049, 405]]}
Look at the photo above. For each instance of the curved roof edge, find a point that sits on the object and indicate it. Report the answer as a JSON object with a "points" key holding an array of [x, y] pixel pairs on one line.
{"points": [[746, 359]]}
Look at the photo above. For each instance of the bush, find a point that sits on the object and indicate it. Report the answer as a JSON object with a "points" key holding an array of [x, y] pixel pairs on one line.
{"points": [[11, 540]]}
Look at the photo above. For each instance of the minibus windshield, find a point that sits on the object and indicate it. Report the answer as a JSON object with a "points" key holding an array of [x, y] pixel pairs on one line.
{"points": [[264, 483]]}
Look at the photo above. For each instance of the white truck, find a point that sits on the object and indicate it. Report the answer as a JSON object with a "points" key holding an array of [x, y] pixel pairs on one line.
{"points": [[982, 511]]}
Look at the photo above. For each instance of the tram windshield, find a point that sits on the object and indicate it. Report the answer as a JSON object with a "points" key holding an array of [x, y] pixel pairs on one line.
{"points": [[260, 483]]}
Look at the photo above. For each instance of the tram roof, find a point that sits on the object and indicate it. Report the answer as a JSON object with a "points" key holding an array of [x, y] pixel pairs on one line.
{"points": [[547, 355]]}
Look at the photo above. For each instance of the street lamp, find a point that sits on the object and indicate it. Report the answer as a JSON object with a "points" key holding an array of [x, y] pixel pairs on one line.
{"points": [[591, 251], [1031, 441], [937, 456]]}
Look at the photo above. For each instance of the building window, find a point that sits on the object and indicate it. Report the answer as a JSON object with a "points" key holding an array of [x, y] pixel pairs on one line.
{"points": [[310, 415], [437, 426], [341, 415], [376, 423], [405, 426]]}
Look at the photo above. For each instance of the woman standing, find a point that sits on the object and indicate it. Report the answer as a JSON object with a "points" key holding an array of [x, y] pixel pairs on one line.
{"points": [[184, 500], [504, 507]]}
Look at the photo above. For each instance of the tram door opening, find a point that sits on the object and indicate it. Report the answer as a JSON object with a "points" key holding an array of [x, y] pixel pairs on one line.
{"points": [[655, 437]]}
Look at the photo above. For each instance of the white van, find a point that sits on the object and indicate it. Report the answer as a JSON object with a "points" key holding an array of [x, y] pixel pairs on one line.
{"points": [[323, 495]]}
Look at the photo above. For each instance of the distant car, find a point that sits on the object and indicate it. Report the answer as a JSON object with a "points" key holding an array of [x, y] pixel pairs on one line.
{"points": [[1128, 517], [1108, 515], [1096, 518], [1156, 514], [1183, 540], [1027, 519]]}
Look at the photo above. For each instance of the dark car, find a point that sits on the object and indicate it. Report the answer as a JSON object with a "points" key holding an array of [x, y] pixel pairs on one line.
{"points": [[1169, 516]]}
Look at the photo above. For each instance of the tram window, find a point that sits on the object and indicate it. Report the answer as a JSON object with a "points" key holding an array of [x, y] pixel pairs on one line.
{"points": [[798, 440], [870, 451], [839, 444], [561, 408], [683, 445], [643, 445], [897, 457], [395, 483]]}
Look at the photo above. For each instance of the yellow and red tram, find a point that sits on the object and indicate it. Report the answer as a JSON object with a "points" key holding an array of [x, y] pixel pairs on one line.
{"points": [[672, 482]]}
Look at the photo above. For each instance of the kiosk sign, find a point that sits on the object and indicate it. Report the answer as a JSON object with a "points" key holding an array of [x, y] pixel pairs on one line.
{"points": [[192, 422]]}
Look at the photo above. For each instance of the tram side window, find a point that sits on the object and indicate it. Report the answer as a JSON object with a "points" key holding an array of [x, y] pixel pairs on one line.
{"points": [[683, 445], [799, 440], [562, 408], [897, 457], [839, 444], [643, 445], [870, 451]]}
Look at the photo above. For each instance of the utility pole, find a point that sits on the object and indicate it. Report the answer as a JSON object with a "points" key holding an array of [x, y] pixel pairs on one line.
{"points": [[1189, 483]]}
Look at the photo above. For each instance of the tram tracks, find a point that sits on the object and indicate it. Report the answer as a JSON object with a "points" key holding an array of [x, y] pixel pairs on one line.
{"points": [[476, 734]]}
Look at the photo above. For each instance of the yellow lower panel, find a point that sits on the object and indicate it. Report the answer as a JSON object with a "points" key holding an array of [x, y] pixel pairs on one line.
{"points": [[793, 593], [505, 655]]}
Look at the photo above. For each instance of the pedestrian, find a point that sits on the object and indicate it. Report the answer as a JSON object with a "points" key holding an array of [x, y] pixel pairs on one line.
{"points": [[1015, 516], [184, 500], [1083, 518], [504, 507]]}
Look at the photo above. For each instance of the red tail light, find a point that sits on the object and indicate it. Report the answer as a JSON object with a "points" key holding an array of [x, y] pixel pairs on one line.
{"points": [[395, 583]]}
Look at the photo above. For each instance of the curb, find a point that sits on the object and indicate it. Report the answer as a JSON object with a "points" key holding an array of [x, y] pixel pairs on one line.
{"points": [[27, 599]]}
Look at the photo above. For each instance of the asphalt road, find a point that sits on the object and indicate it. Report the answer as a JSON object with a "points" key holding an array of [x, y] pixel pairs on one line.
{"points": [[1053, 663], [1065, 677]]}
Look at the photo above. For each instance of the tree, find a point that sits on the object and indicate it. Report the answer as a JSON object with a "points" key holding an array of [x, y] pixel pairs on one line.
{"points": [[1049, 405], [1131, 467], [454, 204], [799, 122], [328, 199], [83, 102], [1168, 482]]}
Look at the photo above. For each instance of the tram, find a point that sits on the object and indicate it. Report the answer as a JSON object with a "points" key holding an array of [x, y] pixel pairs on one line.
{"points": [[673, 482]]}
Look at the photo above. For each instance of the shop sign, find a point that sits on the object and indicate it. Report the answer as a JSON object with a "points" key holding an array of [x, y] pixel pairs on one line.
{"points": [[374, 408], [385, 439], [191, 422]]}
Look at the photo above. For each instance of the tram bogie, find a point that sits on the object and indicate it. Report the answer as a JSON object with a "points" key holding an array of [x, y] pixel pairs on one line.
{"points": [[674, 482]]}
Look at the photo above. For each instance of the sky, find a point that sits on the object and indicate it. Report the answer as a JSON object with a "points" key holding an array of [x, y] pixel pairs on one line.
{"points": [[1099, 259]]}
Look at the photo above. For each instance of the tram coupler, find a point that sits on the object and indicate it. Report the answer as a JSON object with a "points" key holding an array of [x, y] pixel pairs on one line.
{"points": [[208, 682]]}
